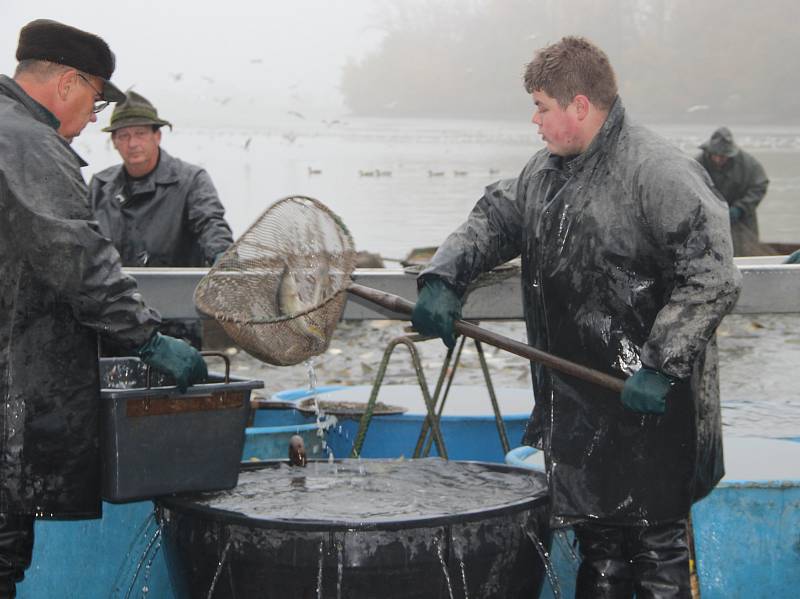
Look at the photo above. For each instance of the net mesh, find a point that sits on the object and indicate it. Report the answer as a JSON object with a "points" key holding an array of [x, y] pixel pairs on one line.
{"points": [[279, 290]]}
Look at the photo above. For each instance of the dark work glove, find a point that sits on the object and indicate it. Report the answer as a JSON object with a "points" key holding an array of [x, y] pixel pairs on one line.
{"points": [[174, 357], [646, 391], [794, 258], [735, 213], [438, 307]]}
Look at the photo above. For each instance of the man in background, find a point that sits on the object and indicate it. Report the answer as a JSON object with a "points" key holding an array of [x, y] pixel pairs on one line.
{"points": [[741, 180], [157, 210], [626, 268], [61, 284]]}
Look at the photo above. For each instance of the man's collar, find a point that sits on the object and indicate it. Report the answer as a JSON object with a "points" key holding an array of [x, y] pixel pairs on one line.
{"points": [[12, 89], [609, 128], [39, 112]]}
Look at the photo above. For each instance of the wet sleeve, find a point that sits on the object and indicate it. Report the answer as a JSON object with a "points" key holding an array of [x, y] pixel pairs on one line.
{"points": [[207, 217], [690, 228], [72, 258], [491, 235], [756, 186]]}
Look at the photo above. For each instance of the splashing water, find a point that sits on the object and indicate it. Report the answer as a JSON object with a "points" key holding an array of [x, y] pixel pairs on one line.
{"points": [[312, 377], [319, 570], [374, 490], [140, 537], [218, 571], [148, 569], [339, 569], [145, 556], [567, 547], [457, 550], [440, 553], [548, 564], [318, 411]]}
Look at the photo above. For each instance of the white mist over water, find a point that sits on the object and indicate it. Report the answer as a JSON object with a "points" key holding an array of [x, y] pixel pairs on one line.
{"points": [[252, 168]]}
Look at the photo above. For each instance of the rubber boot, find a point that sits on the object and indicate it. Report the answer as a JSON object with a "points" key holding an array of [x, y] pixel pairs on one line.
{"points": [[660, 556], [16, 548], [605, 572], [618, 561]]}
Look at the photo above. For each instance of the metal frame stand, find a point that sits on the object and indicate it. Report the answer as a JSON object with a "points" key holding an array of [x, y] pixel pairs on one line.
{"points": [[434, 404]]}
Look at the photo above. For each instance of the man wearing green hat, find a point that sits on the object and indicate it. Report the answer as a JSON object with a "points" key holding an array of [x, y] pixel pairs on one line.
{"points": [[156, 209], [741, 180], [61, 285]]}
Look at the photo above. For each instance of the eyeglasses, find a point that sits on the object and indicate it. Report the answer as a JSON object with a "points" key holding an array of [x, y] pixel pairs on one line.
{"points": [[98, 104]]}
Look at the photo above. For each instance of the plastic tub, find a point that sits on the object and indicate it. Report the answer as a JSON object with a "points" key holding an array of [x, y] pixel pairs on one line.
{"points": [[156, 440]]}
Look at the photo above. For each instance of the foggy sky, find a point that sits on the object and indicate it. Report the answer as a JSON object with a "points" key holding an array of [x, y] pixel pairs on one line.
{"points": [[227, 62]]}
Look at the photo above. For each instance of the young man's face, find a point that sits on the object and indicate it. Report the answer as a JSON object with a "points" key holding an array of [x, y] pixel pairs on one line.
{"points": [[558, 126]]}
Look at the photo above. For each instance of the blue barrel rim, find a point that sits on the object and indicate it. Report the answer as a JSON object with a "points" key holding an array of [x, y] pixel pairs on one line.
{"points": [[299, 393], [329, 422]]}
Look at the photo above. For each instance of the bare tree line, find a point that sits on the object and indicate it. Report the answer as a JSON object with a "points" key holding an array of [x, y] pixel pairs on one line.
{"points": [[677, 60]]}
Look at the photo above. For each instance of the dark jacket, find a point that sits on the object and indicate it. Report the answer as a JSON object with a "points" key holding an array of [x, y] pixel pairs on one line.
{"points": [[743, 182], [172, 217], [60, 284], [626, 260]]}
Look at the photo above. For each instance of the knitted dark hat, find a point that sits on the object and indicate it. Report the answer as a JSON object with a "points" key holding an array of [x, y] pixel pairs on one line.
{"points": [[44, 39], [135, 111], [721, 143]]}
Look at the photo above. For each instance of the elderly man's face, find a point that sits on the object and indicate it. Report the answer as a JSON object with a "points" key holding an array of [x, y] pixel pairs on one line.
{"points": [[138, 147], [76, 110]]}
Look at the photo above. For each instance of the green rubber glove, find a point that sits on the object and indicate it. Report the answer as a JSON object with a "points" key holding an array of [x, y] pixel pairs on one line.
{"points": [[174, 357], [735, 213], [794, 258], [646, 391], [438, 307]]}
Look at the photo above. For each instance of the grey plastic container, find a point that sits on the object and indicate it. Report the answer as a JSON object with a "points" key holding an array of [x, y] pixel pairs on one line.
{"points": [[157, 441]]}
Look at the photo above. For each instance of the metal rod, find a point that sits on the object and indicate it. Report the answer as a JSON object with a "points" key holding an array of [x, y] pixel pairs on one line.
{"points": [[403, 306], [450, 379], [498, 417], [366, 418], [423, 433]]}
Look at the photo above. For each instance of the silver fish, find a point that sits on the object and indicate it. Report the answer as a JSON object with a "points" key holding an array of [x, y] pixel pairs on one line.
{"points": [[290, 303]]}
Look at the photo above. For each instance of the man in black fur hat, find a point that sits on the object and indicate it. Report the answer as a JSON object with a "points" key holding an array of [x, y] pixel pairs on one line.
{"points": [[61, 284]]}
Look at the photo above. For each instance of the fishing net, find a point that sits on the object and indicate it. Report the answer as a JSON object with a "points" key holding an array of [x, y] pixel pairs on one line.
{"points": [[279, 290]]}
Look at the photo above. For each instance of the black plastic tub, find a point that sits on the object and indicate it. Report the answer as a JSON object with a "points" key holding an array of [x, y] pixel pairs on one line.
{"points": [[477, 553], [156, 440]]}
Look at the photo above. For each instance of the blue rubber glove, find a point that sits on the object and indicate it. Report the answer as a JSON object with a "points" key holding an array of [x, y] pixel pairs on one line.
{"points": [[794, 258], [735, 213], [174, 357], [646, 391], [438, 307]]}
